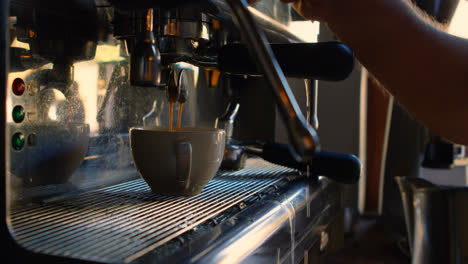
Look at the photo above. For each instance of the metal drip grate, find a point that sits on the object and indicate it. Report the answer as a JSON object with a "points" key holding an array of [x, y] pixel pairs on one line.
{"points": [[125, 221]]}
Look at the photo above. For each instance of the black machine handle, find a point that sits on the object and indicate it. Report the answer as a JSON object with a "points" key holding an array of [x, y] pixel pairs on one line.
{"points": [[329, 61], [343, 168]]}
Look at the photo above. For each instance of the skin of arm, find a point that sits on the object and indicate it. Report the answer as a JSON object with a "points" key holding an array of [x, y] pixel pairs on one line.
{"points": [[425, 68]]}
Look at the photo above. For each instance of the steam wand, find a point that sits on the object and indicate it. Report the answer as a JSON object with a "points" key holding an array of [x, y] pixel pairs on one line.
{"points": [[302, 136]]}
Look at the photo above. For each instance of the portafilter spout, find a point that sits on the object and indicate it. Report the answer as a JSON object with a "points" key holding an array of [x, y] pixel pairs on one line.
{"points": [[302, 136], [177, 86], [173, 87], [184, 86]]}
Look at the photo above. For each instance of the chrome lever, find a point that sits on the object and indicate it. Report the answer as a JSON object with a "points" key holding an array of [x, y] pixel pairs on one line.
{"points": [[302, 136]]}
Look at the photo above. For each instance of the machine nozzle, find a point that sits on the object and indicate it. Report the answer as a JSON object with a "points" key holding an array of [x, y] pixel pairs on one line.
{"points": [[183, 85], [177, 88], [173, 88]]}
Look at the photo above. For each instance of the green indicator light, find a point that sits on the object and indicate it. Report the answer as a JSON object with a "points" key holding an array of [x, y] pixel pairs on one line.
{"points": [[17, 141], [18, 114]]}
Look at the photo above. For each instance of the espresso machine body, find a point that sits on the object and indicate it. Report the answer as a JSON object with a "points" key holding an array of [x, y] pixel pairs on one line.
{"points": [[78, 74]]}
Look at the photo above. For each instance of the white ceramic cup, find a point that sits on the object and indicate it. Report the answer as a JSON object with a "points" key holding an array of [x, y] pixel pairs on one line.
{"points": [[177, 162]]}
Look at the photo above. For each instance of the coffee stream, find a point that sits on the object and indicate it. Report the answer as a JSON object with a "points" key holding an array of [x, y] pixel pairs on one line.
{"points": [[171, 110], [171, 114], [181, 106]]}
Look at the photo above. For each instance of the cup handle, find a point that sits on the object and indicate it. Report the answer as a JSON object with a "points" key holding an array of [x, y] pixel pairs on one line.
{"points": [[184, 163]]}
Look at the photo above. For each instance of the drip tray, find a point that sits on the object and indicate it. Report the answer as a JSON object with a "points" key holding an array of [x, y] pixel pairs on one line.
{"points": [[123, 222]]}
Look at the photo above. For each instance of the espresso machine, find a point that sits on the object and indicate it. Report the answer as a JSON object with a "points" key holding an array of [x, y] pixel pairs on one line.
{"points": [[78, 74]]}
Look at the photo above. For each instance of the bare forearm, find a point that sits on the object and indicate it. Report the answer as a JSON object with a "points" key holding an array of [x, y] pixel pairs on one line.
{"points": [[425, 68]]}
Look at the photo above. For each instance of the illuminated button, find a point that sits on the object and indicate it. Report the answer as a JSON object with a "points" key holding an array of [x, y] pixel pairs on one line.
{"points": [[18, 114], [17, 141], [18, 86]]}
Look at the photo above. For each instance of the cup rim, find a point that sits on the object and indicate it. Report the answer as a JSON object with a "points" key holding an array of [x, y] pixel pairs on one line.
{"points": [[183, 129]]}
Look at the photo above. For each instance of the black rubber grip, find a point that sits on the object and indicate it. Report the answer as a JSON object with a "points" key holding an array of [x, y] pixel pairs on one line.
{"points": [[343, 168], [329, 61]]}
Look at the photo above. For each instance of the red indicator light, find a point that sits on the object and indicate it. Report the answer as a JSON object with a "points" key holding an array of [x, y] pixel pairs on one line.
{"points": [[18, 86]]}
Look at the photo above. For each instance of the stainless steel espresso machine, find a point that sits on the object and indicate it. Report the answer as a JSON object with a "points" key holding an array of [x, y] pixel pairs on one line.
{"points": [[77, 74]]}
